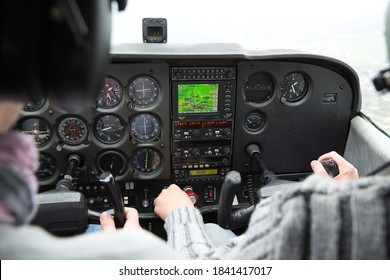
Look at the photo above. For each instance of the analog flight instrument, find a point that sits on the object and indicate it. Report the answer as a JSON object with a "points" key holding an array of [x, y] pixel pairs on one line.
{"points": [[259, 88], [110, 95], [38, 128], [47, 167], [143, 91], [72, 131], [144, 127], [32, 106], [109, 129], [146, 160], [112, 161], [255, 121], [293, 87]]}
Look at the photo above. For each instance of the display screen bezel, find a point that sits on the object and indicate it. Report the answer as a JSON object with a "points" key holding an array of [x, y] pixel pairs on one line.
{"points": [[196, 115]]}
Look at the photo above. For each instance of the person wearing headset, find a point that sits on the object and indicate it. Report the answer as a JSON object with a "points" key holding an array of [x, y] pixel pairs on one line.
{"points": [[65, 58]]}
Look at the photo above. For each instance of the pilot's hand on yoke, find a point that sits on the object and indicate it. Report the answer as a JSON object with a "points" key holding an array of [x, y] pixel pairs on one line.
{"points": [[346, 169], [169, 199], [132, 220]]}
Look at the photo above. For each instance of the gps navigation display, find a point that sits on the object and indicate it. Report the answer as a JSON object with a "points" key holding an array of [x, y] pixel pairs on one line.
{"points": [[197, 98]]}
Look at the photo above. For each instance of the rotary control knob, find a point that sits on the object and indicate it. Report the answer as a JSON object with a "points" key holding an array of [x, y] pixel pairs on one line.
{"points": [[227, 132], [193, 196], [225, 161], [196, 152], [196, 133], [227, 151]]}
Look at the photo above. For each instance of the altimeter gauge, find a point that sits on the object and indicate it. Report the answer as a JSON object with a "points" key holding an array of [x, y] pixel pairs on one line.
{"points": [[109, 129]]}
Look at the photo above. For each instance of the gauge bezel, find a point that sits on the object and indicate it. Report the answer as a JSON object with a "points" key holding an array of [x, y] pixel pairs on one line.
{"points": [[23, 120], [42, 154], [78, 141], [134, 133], [36, 105], [257, 113], [99, 137], [119, 154], [259, 88], [102, 90], [302, 92], [146, 171], [143, 103]]}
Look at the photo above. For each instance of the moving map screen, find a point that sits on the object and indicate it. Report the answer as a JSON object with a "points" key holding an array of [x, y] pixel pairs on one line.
{"points": [[197, 98]]}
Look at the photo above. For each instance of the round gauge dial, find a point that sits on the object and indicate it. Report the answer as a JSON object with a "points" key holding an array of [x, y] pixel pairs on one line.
{"points": [[146, 160], [47, 167], [38, 128], [143, 91], [110, 95], [259, 88], [293, 87], [145, 127], [32, 106], [72, 131], [113, 162], [109, 129], [255, 121]]}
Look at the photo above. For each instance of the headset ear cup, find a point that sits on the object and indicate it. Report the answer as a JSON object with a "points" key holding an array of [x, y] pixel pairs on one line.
{"points": [[20, 46], [74, 69]]}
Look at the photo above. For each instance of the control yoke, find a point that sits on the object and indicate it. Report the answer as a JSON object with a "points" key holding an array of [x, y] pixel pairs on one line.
{"points": [[226, 218], [117, 200], [232, 181], [61, 210], [64, 211]]}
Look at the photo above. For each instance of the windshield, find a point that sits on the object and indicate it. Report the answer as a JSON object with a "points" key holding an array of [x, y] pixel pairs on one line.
{"points": [[349, 30]]}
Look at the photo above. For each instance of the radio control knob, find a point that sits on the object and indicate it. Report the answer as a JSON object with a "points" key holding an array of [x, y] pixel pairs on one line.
{"points": [[196, 133], [227, 151], [227, 132], [196, 152], [225, 161], [229, 73]]}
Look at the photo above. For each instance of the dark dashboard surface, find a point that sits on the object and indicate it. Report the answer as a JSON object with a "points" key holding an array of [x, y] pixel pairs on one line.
{"points": [[179, 114]]}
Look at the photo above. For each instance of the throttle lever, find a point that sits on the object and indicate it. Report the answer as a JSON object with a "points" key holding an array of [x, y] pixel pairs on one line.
{"points": [[117, 200], [331, 167]]}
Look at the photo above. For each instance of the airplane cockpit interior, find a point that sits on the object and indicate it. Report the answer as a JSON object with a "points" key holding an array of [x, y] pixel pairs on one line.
{"points": [[229, 124]]}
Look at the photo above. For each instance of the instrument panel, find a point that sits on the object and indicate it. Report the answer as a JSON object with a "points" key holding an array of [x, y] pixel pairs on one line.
{"points": [[186, 117]]}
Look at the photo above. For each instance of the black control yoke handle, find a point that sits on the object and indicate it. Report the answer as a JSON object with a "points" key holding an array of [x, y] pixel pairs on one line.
{"points": [[226, 218], [117, 200], [331, 167]]}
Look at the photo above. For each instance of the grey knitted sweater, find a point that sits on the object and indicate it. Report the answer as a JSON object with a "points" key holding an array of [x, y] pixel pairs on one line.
{"points": [[317, 219]]}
